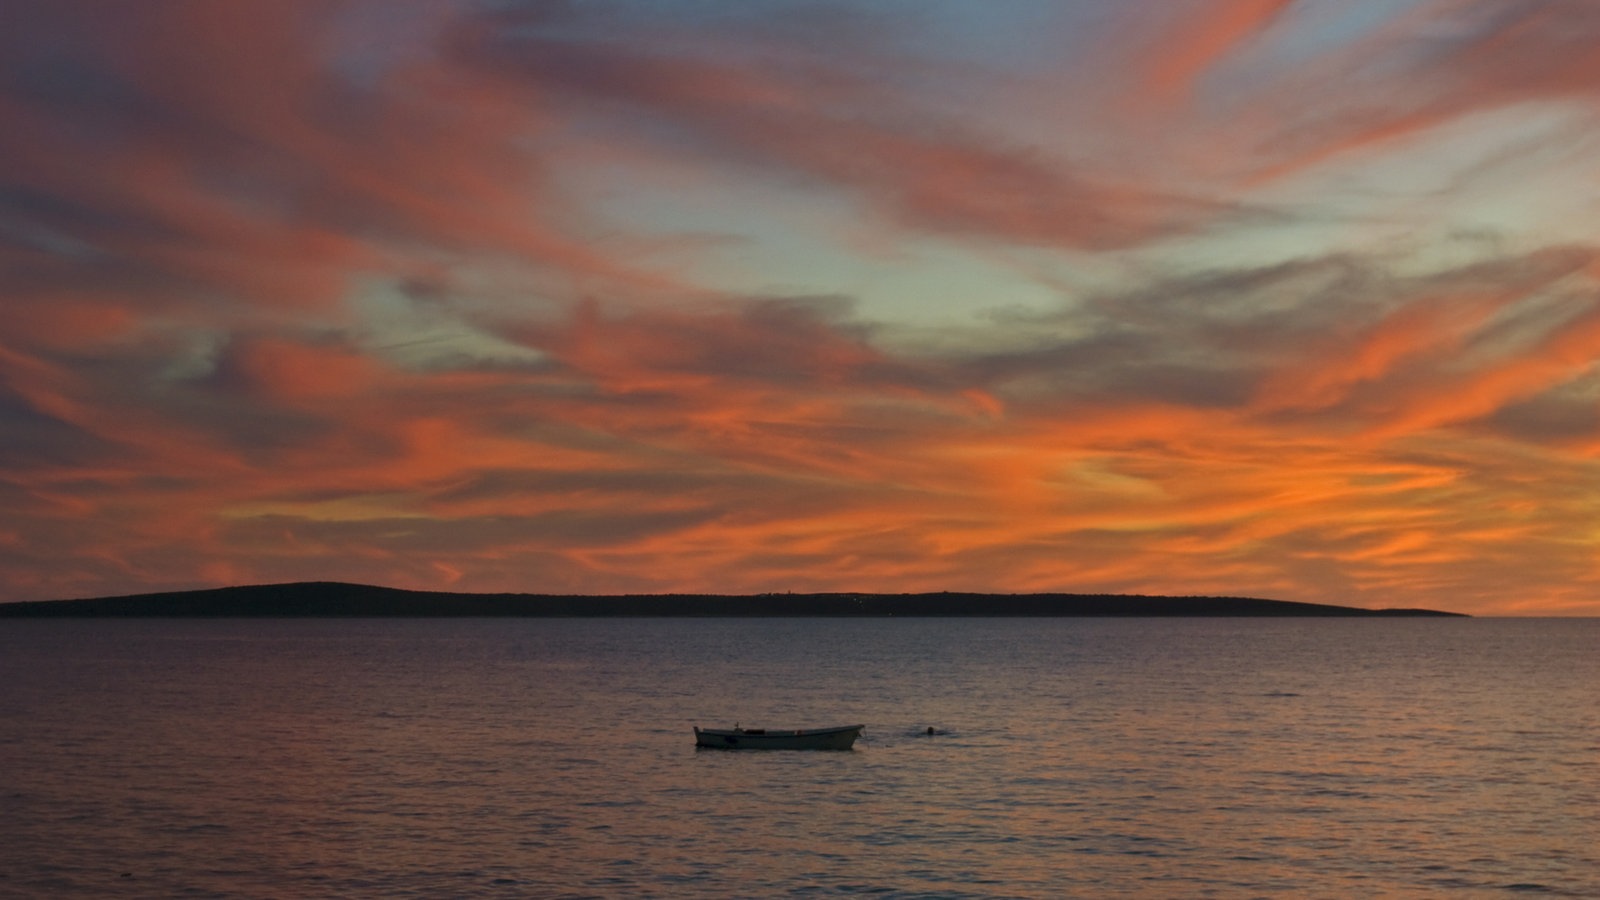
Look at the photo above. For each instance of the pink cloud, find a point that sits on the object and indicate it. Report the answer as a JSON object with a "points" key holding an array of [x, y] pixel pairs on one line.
{"points": [[1441, 63], [1199, 38], [798, 110]]}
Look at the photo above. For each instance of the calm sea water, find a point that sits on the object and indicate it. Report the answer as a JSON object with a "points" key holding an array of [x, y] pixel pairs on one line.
{"points": [[551, 758]]}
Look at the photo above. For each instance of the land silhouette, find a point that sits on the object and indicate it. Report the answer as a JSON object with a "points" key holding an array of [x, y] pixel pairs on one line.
{"points": [[337, 599]]}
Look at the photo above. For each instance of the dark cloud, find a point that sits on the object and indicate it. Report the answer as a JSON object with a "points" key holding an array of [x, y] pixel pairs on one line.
{"points": [[34, 439], [1569, 414]]}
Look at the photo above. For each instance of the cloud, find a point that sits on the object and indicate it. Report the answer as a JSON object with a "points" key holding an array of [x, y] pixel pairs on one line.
{"points": [[285, 300], [1444, 62], [655, 451], [267, 370], [801, 110], [1200, 37], [34, 438], [238, 164]]}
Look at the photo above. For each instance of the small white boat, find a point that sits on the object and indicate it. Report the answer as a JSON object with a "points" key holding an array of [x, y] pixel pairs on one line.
{"points": [[736, 738]]}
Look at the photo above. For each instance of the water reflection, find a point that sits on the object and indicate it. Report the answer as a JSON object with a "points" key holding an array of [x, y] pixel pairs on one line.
{"points": [[495, 758]]}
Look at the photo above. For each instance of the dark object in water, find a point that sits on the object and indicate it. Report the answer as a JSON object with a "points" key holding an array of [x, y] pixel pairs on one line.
{"points": [[837, 738]]}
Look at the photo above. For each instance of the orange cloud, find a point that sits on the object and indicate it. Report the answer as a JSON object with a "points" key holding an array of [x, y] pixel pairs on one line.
{"points": [[1423, 328], [216, 264], [1558, 358]]}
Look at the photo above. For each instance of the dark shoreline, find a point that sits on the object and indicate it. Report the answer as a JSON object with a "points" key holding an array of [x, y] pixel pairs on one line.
{"points": [[337, 600]]}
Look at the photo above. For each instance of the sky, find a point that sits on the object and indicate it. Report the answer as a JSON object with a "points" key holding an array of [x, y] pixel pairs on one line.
{"points": [[1295, 299]]}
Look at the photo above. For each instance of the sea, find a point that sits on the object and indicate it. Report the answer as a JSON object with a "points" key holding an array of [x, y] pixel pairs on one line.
{"points": [[540, 758]]}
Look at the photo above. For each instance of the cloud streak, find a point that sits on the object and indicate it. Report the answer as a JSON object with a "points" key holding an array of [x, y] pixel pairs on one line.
{"points": [[332, 303]]}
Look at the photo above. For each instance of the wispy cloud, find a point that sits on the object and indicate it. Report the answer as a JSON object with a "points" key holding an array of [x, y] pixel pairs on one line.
{"points": [[286, 296]]}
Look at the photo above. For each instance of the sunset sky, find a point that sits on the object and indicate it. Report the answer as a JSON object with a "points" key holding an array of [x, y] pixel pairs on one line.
{"points": [[1295, 299]]}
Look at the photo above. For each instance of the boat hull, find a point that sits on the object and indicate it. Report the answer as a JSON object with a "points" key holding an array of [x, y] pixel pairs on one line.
{"points": [[842, 737]]}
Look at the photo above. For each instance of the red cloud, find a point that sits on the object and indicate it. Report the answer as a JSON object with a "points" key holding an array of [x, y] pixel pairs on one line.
{"points": [[1200, 38], [290, 372], [212, 150]]}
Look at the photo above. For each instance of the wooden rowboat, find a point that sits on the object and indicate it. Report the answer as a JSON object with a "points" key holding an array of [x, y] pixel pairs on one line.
{"points": [[736, 738]]}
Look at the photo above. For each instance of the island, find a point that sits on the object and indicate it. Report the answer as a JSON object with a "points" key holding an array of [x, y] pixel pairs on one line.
{"points": [[339, 600]]}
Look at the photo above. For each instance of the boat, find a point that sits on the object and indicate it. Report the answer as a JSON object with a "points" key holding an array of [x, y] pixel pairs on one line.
{"points": [[837, 738]]}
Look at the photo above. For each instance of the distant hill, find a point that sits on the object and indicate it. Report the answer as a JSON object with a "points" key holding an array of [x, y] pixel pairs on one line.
{"points": [[334, 599]]}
